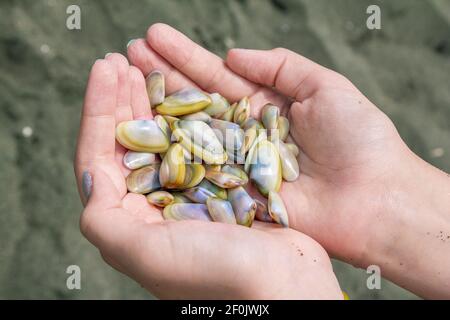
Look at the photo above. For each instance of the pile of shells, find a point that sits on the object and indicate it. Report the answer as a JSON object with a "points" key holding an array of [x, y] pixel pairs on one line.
{"points": [[197, 155]]}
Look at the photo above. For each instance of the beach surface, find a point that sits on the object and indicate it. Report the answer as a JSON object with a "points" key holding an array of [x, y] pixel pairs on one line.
{"points": [[404, 68]]}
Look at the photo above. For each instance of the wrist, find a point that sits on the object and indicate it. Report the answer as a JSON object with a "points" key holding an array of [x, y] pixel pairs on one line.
{"points": [[412, 233]]}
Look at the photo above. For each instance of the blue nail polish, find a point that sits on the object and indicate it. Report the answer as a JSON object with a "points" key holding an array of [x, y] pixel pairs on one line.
{"points": [[86, 184], [130, 42]]}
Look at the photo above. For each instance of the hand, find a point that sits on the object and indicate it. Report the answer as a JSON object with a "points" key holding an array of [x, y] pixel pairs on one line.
{"points": [[356, 191], [178, 259]]}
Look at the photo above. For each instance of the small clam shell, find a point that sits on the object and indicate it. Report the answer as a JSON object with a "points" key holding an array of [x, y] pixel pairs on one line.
{"points": [[262, 212], [293, 148], [144, 180], [266, 171], [186, 211], [229, 134], [242, 111], [220, 210], [236, 171], [163, 125], [173, 168], [277, 209], [155, 87], [182, 102], [194, 175], [224, 180], [170, 120], [244, 206], [218, 105], [160, 198], [135, 160], [283, 128], [198, 194], [200, 116], [262, 135], [228, 115], [270, 115], [142, 136], [250, 122], [249, 137], [179, 198], [200, 140], [289, 163], [218, 191]]}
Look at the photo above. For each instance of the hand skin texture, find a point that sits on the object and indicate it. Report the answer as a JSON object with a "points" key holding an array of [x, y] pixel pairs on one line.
{"points": [[362, 194]]}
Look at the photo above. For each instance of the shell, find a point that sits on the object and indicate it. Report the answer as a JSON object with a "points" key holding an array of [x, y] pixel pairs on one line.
{"points": [[224, 180], [262, 212], [228, 115], [229, 134], [200, 116], [265, 170], [218, 105], [262, 135], [289, 164], [244, 206], [277, 209], [160, 198], [220, 210], [250, 122], [164, 126], [283, 128], [198, 194], [173, 168], [218, 191], [269, 116], [200, 140], [249, 137], [194, 175], [237, 171], [179, 198], [182, 102], [142, 136], [135, 160], [293, 148], [186, 211], [155, 87], [144, 180], [242, 111]]}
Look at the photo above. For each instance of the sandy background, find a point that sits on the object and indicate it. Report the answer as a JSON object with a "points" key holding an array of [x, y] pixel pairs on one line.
{"points": [[404, 68]]}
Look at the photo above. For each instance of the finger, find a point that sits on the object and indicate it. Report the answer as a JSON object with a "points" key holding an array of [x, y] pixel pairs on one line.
{"points": [[201, 66], [139, 98], [96, 138], [123, 111], [290, 73], [146, 59]]}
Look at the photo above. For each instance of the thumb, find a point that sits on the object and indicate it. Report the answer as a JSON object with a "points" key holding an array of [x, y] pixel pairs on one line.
{"points": [[290, 73]]}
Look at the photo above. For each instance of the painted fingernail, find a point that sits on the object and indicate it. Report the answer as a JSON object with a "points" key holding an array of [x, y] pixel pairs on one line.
{"points": [[86, 184], [108, 54], [130, 42]]}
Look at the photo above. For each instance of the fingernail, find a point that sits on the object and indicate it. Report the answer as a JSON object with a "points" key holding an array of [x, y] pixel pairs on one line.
{"points": [[86, 184], [108, 54], [130, 42]]}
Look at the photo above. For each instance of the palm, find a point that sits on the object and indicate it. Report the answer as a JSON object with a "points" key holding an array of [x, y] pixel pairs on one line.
{"points": [[336, 127]]}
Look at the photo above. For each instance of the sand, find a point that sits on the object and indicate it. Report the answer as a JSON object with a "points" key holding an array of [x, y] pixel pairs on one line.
{"points": [[404, 68]]}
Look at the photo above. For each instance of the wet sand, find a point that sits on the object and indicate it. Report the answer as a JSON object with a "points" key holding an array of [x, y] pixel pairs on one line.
{"points": [[404, 68]]}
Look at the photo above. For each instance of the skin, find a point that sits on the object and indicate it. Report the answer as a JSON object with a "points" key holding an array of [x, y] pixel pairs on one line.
{"points": [[362, 193], [179, 259]]}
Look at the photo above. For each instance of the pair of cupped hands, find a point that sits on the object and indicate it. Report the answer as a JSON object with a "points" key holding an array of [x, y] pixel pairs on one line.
{"points": [[350, 154]]}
